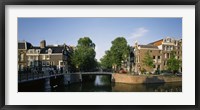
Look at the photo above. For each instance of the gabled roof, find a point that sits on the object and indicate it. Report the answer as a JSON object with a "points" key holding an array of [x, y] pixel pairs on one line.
{"points": [[24, 45], [156, 43], [21, 45], [54, 49], [35, 47], [148, 46]]}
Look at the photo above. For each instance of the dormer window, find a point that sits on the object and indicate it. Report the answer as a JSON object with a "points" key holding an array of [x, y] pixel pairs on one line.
{"points": [[49, 51], [38, 51]]}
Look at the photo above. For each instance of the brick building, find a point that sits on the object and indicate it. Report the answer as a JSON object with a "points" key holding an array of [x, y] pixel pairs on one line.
{"points": [[160, 52], [46, 57], [22, 50]]}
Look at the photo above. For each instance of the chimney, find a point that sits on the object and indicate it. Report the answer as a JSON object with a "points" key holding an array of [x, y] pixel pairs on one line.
{"points": [[43, 44]]}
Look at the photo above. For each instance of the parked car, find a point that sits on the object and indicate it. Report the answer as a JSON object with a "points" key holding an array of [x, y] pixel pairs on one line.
{"points": [[166, 74], [122, 71], [178, 74]]}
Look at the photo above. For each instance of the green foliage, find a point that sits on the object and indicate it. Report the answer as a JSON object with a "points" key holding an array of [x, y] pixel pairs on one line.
{"points": [[84, 55], [157, 72], [148, 60], [119, 51], [143, 71], [173, 64], [106, 61], [85, 42]]}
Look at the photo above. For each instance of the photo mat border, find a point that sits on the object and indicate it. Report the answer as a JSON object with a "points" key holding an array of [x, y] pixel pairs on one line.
{"points": [[98, 2]]}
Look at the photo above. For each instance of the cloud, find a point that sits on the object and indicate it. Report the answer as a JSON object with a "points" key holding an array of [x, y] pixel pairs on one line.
{"points": [[139, 32]]}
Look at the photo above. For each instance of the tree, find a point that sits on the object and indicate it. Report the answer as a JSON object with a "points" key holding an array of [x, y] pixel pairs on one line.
{"points": [[173, 64], [84, 55], [148, 60], [119, 51], [106, 61]]}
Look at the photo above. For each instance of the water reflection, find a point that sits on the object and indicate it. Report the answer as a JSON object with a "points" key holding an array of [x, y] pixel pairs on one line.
{"points": [[103, 84], [98, 81], [161, 87]]}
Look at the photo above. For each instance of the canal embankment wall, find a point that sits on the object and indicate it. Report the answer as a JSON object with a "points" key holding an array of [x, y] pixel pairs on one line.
{"points": [[138, 79]]}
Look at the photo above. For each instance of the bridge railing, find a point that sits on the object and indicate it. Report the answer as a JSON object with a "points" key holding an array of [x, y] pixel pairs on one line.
{"points": [[91, 73], [34, 75], [37, 75]]}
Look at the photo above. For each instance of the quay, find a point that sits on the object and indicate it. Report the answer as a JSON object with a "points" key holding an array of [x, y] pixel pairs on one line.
{"points": [[139, 79]]}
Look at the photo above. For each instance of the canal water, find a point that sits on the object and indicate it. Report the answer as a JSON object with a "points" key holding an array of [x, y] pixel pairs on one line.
{"points": [[102, 83]]}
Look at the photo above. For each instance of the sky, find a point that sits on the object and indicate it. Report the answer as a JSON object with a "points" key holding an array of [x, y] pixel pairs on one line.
{"points": [[102, 31]]}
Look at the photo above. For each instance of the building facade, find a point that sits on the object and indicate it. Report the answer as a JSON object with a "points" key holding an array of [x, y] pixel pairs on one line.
{"points": [[23, 47], [47, 57], [160, 52]]}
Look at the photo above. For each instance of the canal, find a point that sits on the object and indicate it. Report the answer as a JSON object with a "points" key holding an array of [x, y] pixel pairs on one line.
{"points": [[102, 83]]}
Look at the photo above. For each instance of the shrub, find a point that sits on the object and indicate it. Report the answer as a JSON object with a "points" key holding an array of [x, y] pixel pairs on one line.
{"points": [[157, 72], [143, 71]]}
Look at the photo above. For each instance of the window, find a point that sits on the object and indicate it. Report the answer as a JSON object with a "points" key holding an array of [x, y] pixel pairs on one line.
{"points": [[154, 66], [22, 67], [171, 47], [36, 64], [47, 57], [47, 63], [43, 63], [49, 51], [30, 51], [154, 57], [158, 67], [168, 47], [52, 63], [167, 55], [22, 57], [38, 51], [158, 57]]}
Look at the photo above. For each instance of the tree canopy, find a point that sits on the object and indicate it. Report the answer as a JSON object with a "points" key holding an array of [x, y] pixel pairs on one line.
{"points": [[106, 61], [173, 64], [118, 52], [148, 60], [84, 55]]}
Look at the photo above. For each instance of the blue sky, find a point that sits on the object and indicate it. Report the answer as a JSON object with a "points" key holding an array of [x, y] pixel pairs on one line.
{"points": [[101, 30]]}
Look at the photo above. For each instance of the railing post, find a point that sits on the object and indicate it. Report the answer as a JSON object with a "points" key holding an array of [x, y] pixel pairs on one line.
{"points": [[20, 76], [47, 84], [38, 75], [80, 77], [66, 79], [33, 75], [26, 76]]}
